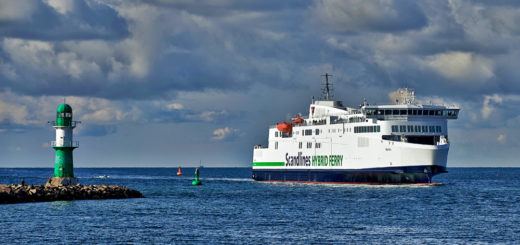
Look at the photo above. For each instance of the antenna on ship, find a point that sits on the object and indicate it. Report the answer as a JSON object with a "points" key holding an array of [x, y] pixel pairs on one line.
{"points": [[328, 87]]}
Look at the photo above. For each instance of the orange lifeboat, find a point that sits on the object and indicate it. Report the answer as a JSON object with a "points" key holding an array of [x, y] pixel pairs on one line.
{"points": [[284, 127], [179, 172]]}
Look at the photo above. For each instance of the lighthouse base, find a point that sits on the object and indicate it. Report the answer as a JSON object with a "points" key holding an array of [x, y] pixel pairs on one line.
{"points": [[64, 181]]}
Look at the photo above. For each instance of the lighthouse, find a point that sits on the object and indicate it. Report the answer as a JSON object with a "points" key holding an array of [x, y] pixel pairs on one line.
{"points": [[64, 145]]}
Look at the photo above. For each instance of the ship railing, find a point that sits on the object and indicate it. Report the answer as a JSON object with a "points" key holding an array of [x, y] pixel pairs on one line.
{"points": [[65, 144]]}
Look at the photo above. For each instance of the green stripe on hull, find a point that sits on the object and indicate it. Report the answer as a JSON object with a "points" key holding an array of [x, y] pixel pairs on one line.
{"points": [[268, 164]]}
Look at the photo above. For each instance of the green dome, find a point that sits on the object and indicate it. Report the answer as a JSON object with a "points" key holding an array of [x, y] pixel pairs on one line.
{"points": [[64, 108]]}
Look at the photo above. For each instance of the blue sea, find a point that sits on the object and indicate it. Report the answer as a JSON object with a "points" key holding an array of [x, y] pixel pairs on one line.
{"points": [[472, 206]]}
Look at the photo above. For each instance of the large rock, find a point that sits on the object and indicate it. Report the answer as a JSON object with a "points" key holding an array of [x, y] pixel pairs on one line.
{"points": [[59, 181]]}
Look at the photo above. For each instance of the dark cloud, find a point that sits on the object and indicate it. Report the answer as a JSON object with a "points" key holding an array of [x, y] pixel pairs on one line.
{"points": [[86, 20], [378, 16]]}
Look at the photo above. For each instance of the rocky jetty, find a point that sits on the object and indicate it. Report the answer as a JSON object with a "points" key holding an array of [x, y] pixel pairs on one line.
{"points": [[39, 193]]}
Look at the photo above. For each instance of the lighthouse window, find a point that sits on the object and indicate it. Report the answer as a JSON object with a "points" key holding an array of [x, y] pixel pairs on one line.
{"points": [[68, 114]]}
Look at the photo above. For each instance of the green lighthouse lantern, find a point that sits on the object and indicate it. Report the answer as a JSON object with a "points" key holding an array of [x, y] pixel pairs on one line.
{"points": [[64, 145]]}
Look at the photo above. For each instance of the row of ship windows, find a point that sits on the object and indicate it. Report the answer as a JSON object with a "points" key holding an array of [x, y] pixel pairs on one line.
{"points": [[416, 128], [412, 112], [367, 129], [300, 145]]}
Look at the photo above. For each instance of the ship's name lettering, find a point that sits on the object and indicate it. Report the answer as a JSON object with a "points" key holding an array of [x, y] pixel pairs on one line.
{"points": [[315, 161], [297, 160], [325, 161]]}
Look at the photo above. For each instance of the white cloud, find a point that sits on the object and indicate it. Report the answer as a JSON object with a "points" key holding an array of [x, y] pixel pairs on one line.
{"points": [[61, 6], [208, 116], [224, 133], [502, 138], [174, 106], [488, 105], [462, 66]]}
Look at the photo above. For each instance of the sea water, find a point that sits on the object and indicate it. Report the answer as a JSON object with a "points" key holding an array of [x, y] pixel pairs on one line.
{"points": [[473, 205]]}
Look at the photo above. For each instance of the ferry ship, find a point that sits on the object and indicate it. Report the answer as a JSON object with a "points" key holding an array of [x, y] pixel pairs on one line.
{"points": [[402, 143]]}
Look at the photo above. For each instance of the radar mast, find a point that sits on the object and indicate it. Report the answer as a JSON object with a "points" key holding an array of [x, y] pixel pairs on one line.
{"points": [[328, 90]]}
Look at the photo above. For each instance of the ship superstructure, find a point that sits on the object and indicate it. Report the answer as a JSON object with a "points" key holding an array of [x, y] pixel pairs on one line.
{"points": [[405, 142]]}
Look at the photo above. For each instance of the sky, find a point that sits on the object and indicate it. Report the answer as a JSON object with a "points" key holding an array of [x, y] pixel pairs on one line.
{"points": [[176, 83]]}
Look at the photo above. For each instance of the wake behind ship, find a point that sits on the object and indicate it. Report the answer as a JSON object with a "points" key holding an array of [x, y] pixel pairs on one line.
{"points": [[406, 142]]}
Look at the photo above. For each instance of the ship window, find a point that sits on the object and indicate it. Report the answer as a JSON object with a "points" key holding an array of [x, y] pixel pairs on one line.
{"points": [[395, 112], [388, 112], [410, 112], [417, 128], [432, 129], [370, 129], [425, 129], [403, 112], [419, 112], [378, 128], [410, 128], [276, 145], [438, 113], [300, 144], [317, 131], [309, 144], [439, 129], [414, 112], [380, 112], [402, 128], [394, 128], [317, 145], [431, 112], [276, 134]]}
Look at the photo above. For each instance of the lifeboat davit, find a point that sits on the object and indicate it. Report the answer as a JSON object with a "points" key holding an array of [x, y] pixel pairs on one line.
{"points": [[284, 127], [298, 120]]}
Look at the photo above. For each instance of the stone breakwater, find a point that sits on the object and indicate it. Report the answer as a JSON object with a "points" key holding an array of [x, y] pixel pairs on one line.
{"points": [[40, 193]]}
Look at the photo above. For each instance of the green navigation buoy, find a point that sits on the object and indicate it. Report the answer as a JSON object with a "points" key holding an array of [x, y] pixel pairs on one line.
{"points": [[196, 181]]}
